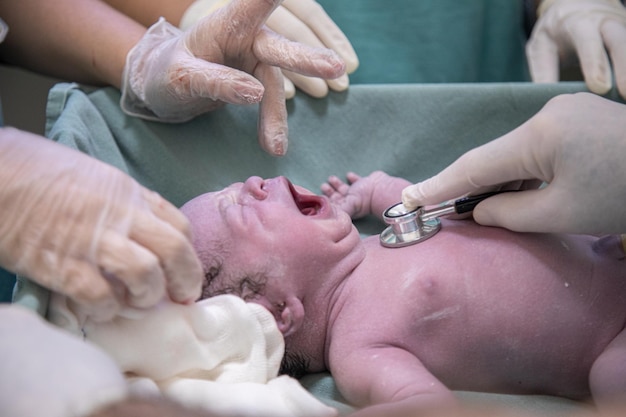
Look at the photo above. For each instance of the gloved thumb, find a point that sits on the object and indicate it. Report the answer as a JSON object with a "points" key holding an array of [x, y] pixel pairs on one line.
{"points": [[425, 193], [538, 210], [453, 182]]}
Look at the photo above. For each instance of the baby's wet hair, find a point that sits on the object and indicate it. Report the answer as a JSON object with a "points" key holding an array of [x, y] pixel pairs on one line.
{"points": [[216, 282], [294, 364], [247, 287], [209, 277]]}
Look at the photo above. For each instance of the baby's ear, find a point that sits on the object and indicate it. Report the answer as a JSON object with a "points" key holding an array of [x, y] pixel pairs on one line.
{"points": [[289, 315]]}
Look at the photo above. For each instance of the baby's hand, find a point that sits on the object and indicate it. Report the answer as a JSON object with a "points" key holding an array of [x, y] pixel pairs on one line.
{"points": [[349, 197], [355, 196]]}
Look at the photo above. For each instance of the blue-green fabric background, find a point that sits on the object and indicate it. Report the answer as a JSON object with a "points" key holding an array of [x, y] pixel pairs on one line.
{"points": [[434, 41]]}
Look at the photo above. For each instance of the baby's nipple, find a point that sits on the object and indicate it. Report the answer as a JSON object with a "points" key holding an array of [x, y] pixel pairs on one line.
{"points": [[613, 246]]}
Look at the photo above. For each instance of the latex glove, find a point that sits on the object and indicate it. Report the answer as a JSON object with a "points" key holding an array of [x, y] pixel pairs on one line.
{"points": [[583, 28], [227, 57], [302, 21], [576, 144], [84, 229], [46, 371]]}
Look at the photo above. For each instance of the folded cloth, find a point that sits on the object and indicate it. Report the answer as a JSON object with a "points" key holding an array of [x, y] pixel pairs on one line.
{"points": [[220, 354]]}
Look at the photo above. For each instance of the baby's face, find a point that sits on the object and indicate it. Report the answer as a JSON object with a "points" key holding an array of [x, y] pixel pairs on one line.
{"points": [[269, 226]]}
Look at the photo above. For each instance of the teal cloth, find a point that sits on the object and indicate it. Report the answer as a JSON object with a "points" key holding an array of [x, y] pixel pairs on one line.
{"points": [[442, 41], [408, 130], [411, 131], [7, 283]]}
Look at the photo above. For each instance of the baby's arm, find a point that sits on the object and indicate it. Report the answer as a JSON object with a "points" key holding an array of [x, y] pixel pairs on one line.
{"points": [[361, 196], [392, 383]]}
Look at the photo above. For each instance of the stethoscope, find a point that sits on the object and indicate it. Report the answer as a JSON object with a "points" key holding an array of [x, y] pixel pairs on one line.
{"points": [[409, 226]]}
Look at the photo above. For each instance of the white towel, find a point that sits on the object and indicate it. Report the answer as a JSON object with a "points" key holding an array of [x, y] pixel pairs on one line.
{"points": [[220, 354]]}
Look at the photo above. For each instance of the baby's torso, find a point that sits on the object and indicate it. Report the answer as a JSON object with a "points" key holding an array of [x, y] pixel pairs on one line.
{"points": [[486, 309]]}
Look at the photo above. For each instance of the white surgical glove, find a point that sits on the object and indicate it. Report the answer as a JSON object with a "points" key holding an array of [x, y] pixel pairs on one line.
{"points": [[226, 57], [46, 371], [587, 29], [302, 21], [84, 229], [576, 144]]}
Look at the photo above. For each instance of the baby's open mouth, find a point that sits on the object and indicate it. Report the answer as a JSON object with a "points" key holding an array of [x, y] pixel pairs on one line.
{"points": [[308, 204]]}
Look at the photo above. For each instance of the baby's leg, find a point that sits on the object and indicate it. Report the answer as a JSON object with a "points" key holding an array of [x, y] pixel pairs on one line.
{"points": [[607, 378]]}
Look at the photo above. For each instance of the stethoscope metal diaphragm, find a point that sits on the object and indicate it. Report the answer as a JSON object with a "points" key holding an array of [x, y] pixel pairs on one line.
{"points": [[409, 226], [406, 227]]}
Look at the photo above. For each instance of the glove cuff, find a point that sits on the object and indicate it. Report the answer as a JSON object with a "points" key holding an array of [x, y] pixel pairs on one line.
{"points": [[133, 101], [198, 10]]}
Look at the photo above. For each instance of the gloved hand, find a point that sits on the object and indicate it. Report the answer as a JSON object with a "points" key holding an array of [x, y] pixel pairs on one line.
{"points": [[174, 76], [576, 144], [302, 21], [583, 28], [46, 371], [83, 228]]}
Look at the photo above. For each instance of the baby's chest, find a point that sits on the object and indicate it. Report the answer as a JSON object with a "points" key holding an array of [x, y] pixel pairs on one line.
{"points": [[441, 312]]}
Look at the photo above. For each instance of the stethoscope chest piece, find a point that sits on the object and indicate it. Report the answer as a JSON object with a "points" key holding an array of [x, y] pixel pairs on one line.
{"points": [[407, 227]]}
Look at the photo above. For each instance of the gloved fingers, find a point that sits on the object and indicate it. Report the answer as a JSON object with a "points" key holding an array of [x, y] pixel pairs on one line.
{"points": [[135, 267], [88, 288], [169, 260], [614, 36], [306, 21], [167, 212], [282, 21], [494, 163], [272, 125], [315, 87], [290, 88], [543, 58], [594, 61], [273, 49], [218, 82], [244, 17], [525, 211], [227, 34], [339, 84]]}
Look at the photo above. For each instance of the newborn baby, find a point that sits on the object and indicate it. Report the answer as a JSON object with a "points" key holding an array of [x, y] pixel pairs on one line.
{"points": [[472, 308]]}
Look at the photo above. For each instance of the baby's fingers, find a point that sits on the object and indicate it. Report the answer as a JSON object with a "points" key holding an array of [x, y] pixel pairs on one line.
{"points": [[334, 186]]}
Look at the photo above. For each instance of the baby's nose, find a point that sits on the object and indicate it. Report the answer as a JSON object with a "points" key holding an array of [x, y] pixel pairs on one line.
{"points": [[254, 187]]}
